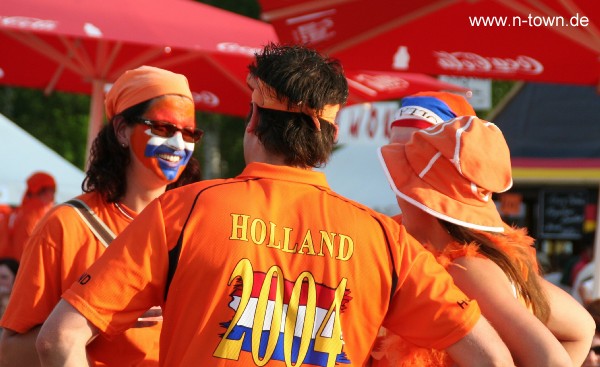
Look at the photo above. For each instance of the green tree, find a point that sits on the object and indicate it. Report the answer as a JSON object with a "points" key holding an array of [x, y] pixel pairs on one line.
{"points": [[60, 120], [249, 8]]}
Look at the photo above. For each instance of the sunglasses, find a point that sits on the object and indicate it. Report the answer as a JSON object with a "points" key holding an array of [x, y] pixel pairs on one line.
{"points": [[595, 349], [167, 130]]}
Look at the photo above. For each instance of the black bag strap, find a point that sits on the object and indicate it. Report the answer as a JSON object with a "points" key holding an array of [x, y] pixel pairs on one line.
{"points": [[95, 224]]}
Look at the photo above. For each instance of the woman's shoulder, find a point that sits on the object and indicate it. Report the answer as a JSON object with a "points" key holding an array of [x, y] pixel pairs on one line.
{"points": [[477, 274], [65, 215]]}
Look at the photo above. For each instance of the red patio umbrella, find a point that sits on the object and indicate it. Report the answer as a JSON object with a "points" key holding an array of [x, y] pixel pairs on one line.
{"points": [[81, 45], [547, 41], [370, 86]]}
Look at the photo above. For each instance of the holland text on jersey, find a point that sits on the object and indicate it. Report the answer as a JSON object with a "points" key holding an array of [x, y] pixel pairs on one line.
{"points": [[262, 232]]}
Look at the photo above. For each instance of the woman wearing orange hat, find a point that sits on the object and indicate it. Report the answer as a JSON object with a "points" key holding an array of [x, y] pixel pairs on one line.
{"points": [[444, 178], [145, 149]]}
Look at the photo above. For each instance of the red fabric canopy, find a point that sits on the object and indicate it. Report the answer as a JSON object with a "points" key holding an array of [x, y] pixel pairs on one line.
{"points": [[369, 86], [80, 45], [550, 41], [66, 45]]}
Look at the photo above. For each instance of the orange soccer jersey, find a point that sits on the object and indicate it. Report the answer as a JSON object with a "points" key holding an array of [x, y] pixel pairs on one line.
{"points": [[272, 267], [58, 252]]}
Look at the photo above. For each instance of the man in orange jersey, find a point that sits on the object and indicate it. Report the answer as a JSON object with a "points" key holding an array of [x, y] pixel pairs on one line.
{"points": [[272, 267]]}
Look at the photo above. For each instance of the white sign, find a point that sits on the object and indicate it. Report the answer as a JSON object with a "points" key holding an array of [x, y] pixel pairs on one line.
{"points": [[366, 123], [481, 89]]}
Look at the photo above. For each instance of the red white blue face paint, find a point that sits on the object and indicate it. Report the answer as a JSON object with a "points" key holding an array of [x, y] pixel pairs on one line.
{"points": [[165, 156]]}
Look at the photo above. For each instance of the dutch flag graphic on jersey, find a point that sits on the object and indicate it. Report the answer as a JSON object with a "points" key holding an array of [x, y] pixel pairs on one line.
{"points": [[311, 305]]}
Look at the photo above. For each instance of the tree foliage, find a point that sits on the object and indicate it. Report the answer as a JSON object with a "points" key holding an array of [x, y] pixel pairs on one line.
{"points": [[59, 120]]}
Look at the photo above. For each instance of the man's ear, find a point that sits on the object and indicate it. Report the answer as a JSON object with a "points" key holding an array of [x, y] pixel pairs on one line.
{"points": [[253, 119]]}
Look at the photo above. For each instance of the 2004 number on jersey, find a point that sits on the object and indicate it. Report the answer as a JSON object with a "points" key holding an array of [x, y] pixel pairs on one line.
{"points": [[276, 319]]}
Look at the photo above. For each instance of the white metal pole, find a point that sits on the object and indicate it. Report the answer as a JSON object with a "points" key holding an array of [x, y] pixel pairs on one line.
{"points": [[596, 282]]}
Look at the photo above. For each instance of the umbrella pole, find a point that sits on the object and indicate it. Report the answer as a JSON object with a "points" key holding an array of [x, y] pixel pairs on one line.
{"points": [[596, 278], [96, 116]]}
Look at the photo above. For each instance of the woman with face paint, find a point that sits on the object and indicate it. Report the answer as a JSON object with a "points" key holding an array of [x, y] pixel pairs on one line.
{"points": [[144, 150]]}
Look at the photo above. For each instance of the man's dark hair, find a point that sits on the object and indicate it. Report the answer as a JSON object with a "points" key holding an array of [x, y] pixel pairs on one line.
{"points": [[300, 76], [109, 160]]}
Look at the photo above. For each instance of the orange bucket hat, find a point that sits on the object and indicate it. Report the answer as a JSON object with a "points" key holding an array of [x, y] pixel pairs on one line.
{"points": [[141, 84], [450, 171]]}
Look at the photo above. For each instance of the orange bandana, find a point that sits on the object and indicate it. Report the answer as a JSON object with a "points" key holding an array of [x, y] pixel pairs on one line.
{"points": [[264, 96], [141, 84]]}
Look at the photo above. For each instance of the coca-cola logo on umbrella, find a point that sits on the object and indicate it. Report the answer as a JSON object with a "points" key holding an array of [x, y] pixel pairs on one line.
{"points": [[29, 23], [472, 62], [206, 98], [235, 48], [382, 82]]}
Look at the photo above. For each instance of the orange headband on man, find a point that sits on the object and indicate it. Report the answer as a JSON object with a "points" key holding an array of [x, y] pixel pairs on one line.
{"points": [[264, 96], [141, 84]]}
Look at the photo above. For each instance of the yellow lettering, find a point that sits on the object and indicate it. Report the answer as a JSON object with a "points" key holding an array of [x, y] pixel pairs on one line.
{"points": [[239, 230], [261, 313], [307, 243], [286, 241], [262, 231], [335, 245], [343, 252], [231, 348], [326, 241], [272, 243]]}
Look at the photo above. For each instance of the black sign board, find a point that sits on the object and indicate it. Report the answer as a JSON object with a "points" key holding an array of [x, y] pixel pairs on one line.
{"points": [[562, 213]]}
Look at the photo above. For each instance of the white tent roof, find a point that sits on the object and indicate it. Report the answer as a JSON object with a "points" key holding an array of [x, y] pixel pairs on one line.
{"points": [[23, 154], [354, 169]]}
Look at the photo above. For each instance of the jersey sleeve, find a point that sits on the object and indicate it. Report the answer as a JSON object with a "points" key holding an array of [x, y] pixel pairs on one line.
{"points": [[128, 278], [428, 309]]}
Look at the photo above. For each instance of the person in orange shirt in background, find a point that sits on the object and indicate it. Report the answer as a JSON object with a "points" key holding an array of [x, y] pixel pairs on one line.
{"points": [[145, 149], [37, 201], [272, 267]]}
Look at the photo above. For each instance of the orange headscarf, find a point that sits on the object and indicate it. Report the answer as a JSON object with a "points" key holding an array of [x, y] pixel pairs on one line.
{"points": [[141, 84]]}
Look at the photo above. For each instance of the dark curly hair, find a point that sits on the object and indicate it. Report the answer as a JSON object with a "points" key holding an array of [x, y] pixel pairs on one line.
{"points": [[299, 75], [109, 160]]}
